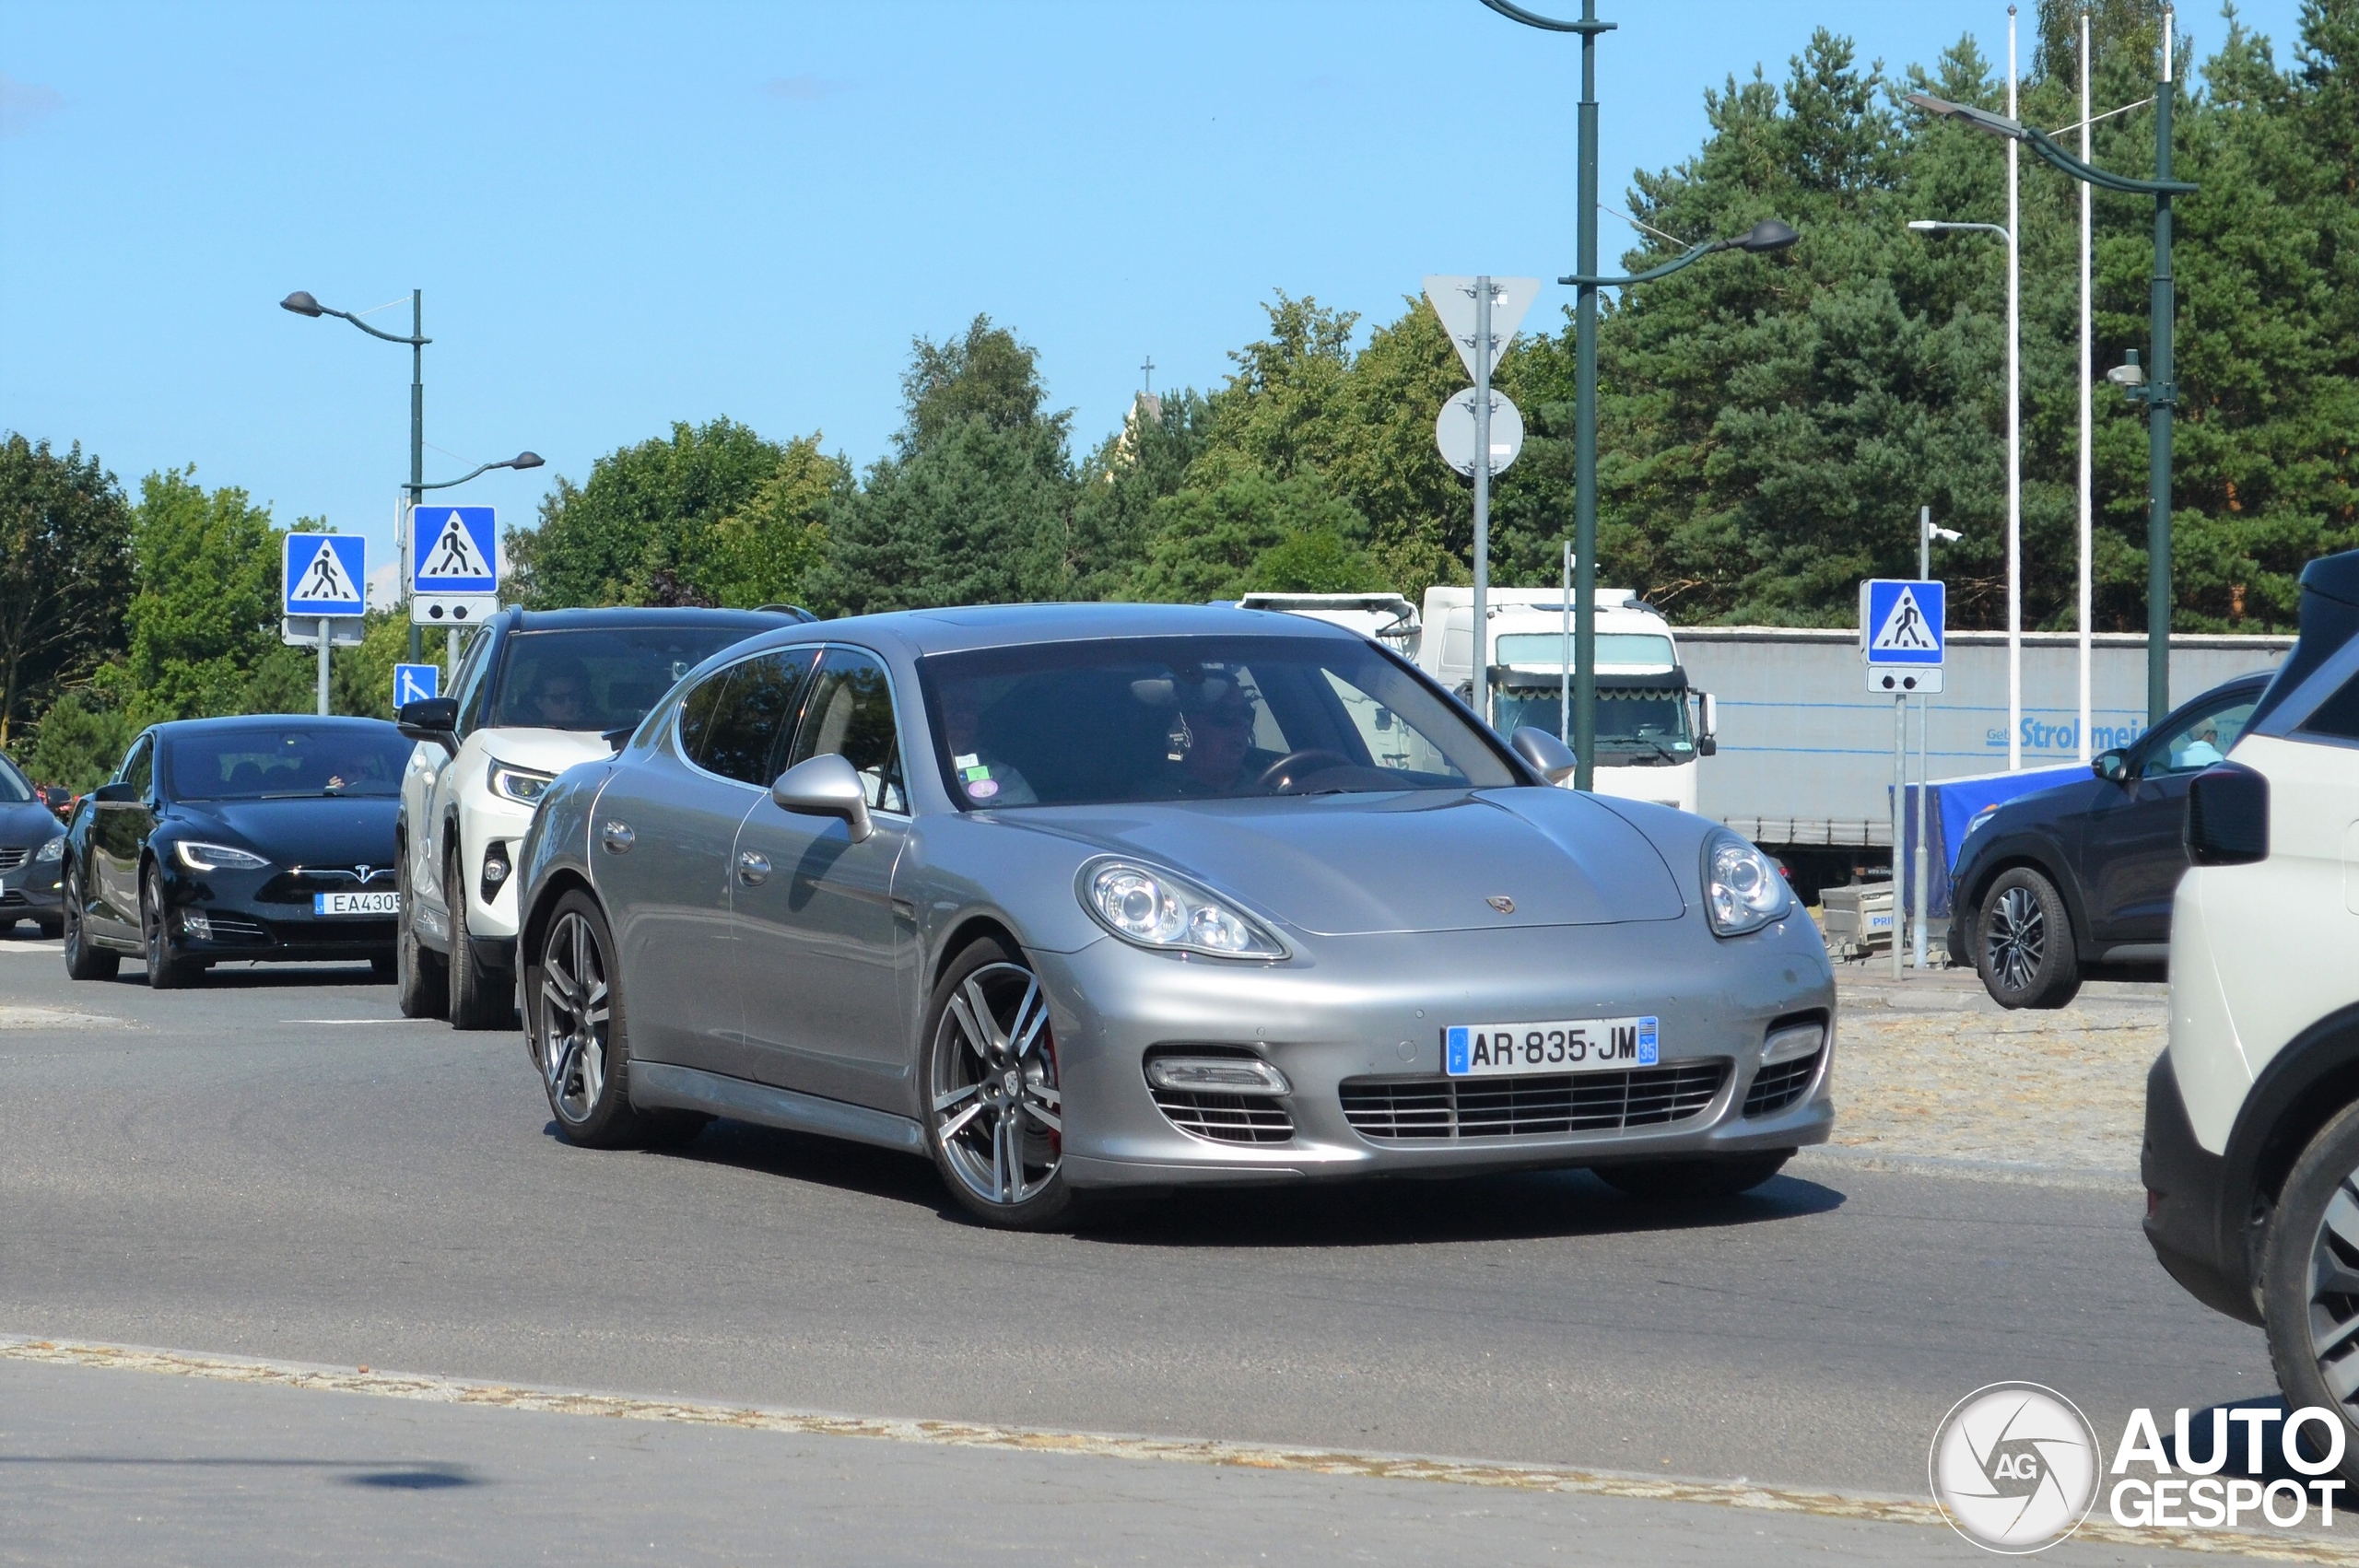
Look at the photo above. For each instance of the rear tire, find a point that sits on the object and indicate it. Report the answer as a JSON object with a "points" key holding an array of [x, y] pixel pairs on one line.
{"points": [[1670, 1181], [420, 987], [83, 962], [167, 970], [580, 1033], [2022, 943], [478, 999], [2310, 1278]]}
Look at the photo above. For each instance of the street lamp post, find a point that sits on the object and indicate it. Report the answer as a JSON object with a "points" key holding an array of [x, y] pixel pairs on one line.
{"points": [[1767, 235], [2015, 478], [2160, 394]]}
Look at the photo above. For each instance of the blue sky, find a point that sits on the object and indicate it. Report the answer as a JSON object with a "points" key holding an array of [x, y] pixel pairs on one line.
{"points": [[625, 215]]}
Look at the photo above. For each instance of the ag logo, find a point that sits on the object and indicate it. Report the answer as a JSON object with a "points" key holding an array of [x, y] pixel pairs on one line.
{"points": [[2014, 1467]]}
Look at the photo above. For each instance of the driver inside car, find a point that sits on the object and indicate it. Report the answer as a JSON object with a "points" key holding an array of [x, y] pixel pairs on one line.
{"points": [[1211, 742]]}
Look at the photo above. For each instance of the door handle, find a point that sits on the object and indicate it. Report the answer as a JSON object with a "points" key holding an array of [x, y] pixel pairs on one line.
{"points": [[617, 836], [753, 869]]}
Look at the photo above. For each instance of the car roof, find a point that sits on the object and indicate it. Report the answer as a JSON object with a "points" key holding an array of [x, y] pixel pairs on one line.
{"points": [[647, 615], [247, 720], [959, 629]]}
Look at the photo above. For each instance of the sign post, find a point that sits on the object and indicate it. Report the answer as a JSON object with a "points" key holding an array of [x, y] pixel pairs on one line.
{"points": [[1481, 315], [321, 579], [1904, 638]]}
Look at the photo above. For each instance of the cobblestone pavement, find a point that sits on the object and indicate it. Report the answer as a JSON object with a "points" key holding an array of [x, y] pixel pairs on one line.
{"points": [[1930, 1073]]}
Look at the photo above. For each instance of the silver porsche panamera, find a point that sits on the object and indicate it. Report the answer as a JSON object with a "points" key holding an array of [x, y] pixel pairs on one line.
{"points": [[1076, 897]]}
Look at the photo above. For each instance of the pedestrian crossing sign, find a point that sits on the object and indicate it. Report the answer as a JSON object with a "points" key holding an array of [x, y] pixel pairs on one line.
{"points": [[1902, 622], [453, 550], [324, 574]]}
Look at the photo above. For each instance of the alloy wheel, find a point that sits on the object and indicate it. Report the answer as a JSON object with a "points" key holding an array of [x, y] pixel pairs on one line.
{"points": [[574, 1017], [2017, 938], [2334, 1296], [998, 1113]]}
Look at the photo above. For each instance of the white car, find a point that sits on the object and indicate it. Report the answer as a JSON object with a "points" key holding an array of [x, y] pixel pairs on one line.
{"points": [[2251, 1159], [535, 693]]}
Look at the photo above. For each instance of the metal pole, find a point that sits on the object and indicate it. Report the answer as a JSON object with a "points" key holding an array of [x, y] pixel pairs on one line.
{"points": [[1565, 676], [2161, 395], [1922, 903], [1899, 792], [323, 666], [1924, 544], [2088, 378], [1585, 424], [417, 440], [2015, 435], [1483, 496]]}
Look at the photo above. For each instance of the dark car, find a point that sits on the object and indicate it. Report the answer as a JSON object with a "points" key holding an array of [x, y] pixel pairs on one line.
{"points": [[267, 837], [32, 860], [2055, 883]]}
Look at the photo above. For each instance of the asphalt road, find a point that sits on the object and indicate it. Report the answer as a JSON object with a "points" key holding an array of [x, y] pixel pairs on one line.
{"points": [[275, 1165]]}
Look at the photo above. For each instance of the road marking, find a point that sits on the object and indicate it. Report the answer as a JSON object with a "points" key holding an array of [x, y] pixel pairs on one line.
{"points": [[359, 1021], [1876, 1509], [13, 1017], [46, 948]]}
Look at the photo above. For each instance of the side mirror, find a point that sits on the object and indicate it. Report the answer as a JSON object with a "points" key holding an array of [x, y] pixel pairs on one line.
{"points": [[826, 786], [116, 794], [435, 720], [2113, 767], [1549, 756], [1708, 724]]}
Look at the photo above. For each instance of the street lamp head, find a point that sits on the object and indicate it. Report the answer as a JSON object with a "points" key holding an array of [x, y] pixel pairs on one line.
{"points": [[1768, 235], [524, 460], [1966, 114], [1926, 226], [301, 303]]}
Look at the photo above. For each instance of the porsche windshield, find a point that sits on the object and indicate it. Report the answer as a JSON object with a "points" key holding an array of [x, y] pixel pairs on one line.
{"points": [[1193, 718]]}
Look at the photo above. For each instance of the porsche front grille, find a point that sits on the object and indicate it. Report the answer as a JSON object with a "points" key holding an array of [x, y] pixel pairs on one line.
{"points": [[1225, 1118], [1777, 1086], [1539, 1106]]}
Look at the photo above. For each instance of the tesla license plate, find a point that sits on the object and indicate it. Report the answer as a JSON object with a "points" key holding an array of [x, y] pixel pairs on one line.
{"points": [[1577, 1044], [356, 903]]}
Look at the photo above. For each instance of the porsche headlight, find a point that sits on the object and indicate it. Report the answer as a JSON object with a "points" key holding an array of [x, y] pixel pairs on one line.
{"points": [[52, 850], [523, 785], [1154, 908], [1742, 888], [199, 857]]}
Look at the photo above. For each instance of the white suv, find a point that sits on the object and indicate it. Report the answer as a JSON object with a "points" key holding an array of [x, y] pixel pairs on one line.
{"points": [[2251, 1160], [536, 693]]}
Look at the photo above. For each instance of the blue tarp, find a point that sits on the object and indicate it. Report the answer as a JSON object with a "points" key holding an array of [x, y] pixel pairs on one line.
{"points": [[1956, 802]]}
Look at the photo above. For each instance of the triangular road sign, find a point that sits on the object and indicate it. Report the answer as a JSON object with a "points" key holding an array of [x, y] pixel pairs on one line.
{"points": [[1905, 629], [1453, 301], [324, 580], [454, 555]]}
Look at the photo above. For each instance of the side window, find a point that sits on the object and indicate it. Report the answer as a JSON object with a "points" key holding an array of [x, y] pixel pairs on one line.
{"points": [[2338, 716], [2199, 743], [139, 764], [849, 711], [469, 685], [731, 724]]}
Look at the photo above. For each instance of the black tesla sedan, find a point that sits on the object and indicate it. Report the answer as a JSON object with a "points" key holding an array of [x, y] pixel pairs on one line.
{"points": [[267, 837]]}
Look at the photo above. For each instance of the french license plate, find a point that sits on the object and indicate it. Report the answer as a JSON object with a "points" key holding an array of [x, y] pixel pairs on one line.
{"points": [[356, 903], [1576, 1044]]}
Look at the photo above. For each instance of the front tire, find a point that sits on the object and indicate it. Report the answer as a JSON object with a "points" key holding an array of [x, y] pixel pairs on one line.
{"points": [[477, 1000], [167, 970], [83, 961], [580, 1035], [994, 1112], [1670, 1181], [2022, 943], [420, 987], [2309, 1282]]}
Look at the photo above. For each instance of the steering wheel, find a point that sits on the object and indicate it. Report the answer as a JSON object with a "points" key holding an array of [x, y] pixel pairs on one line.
{"points": [[1287, 769]]}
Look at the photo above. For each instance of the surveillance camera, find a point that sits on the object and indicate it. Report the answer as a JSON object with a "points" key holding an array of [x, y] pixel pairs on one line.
{"points": [[2129, 375]]}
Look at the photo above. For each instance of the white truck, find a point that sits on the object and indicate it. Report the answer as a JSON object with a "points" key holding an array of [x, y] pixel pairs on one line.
{"points": [[1651, 727]]}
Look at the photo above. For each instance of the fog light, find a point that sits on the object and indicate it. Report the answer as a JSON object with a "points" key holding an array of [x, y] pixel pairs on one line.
{"points": [[198, 925], [1217, 1075], [1787, 1045], [494, 871]]}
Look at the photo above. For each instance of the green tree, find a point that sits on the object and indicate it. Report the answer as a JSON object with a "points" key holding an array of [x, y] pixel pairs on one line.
{"points": [[763, 552], [1114, 513], [64, 571], [206, 612], [1254, 531]]}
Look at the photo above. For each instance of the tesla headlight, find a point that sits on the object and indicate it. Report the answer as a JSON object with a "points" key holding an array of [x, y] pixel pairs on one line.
{"points": [[52, 850], [523, 785], [199, 857], [1742, 888], [1154, 908]]}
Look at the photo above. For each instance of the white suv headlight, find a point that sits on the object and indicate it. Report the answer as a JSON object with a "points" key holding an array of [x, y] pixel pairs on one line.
{"points": [[199, 857], [525, 786], [1742, 888], [1155, 908]]}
